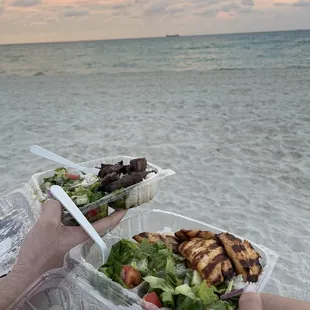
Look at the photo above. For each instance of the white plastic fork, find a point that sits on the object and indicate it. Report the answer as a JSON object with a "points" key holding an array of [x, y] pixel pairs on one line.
{"points": [[40, 151], [67, 202]]}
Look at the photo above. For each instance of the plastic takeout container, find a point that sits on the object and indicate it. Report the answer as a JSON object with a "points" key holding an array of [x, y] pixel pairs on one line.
{"points": [[64, 289], [17, 215], [84, 260], [126, 198], [20, 207], [161, 221]]}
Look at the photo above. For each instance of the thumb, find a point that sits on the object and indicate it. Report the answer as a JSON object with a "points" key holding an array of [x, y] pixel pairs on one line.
{"points": [[249, 300], [51, 210]]}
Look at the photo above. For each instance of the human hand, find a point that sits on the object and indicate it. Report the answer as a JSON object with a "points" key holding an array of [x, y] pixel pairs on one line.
{"points": [[49, 240], [44, 248], [250, 300]]}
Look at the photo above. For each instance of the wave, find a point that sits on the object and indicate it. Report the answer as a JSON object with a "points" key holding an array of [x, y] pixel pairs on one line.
{"points": [[297, 67], [130, 68], [124, 65], [262, 68], [199, 47], [303, 42], [234, 69], [40, 73], [130, 72]]}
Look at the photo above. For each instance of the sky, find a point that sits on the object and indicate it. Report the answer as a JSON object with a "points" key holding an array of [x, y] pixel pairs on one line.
{"points": [[23, 21]]}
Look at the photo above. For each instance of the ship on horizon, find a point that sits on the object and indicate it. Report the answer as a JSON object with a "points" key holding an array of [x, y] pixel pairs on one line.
{"points": [[172, 35]]}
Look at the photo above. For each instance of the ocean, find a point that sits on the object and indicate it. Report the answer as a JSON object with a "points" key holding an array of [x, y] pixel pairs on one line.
{"points": [[273, 50], [229, 113]]}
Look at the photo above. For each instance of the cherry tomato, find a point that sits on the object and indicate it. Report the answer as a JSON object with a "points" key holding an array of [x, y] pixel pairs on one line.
{"points": [[92, 213], [153, 299], [131, 276], [72, 176]]}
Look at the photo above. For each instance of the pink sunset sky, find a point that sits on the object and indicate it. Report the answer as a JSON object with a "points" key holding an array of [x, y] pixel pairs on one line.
{"points": [[70, 20]]}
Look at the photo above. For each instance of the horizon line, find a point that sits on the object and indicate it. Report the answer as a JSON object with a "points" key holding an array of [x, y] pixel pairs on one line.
{"points": [[157, 37]]}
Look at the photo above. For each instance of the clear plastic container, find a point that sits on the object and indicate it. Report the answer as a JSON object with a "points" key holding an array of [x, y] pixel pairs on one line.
{"points": [[18, 213], [126, 198], [80, 279], [20, 207], [63, 289], [160, 221]]}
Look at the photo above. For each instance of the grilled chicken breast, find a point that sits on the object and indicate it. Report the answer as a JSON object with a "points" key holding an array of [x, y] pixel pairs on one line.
{"points": [[243, 256], [208, 258], [184, 234], [170, 241]]}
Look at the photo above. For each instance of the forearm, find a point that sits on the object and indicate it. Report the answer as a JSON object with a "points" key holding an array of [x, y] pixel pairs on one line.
{"points": [[14, 284], [274, 302]]}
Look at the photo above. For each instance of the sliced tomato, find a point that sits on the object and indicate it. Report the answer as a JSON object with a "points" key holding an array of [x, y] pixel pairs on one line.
{"points": [[92, 213], [131, 276], [153, 299], [72, 176]]}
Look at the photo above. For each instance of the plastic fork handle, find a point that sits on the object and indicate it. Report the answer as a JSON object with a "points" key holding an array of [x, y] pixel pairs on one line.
{"points": [[40, 151], [67, 202]]}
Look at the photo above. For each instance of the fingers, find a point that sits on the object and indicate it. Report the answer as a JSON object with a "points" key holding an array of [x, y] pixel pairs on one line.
{"points": [[113, 219], [51, 211], [78, 235], [249, 300]]}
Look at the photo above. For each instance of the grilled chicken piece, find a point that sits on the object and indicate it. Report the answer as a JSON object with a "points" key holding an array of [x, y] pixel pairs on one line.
{"points": [[170, 241], [243, 256], [185, 235], [209, 258]]}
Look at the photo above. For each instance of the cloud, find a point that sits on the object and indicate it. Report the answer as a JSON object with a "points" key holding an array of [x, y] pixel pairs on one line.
{"points": [[248, 2], [298, 4], [227, 10], [120, 6], [206, 2], [226, 15], [35, 24], [301, 3], [136, 18], [233, 9], [166, 9], [111, 8], [282, 4], [155, 9], [75, 12], [232, 6], [25, 3], [208, 13]]}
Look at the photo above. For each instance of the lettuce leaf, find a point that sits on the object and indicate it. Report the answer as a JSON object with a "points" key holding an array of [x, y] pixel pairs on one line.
{"points": [[168, 299], [221, 305], [122, 253], [186, 303], [156, 253], [159, 283], [206, 293]]}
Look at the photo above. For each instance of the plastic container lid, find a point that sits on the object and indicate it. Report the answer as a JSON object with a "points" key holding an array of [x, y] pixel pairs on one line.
{"points": [[62, 289], [17, 215]]}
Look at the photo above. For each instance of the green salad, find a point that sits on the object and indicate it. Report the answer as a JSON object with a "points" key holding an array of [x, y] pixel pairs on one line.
{"points": [[112, 179], [83, 189], [168, 281]]}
